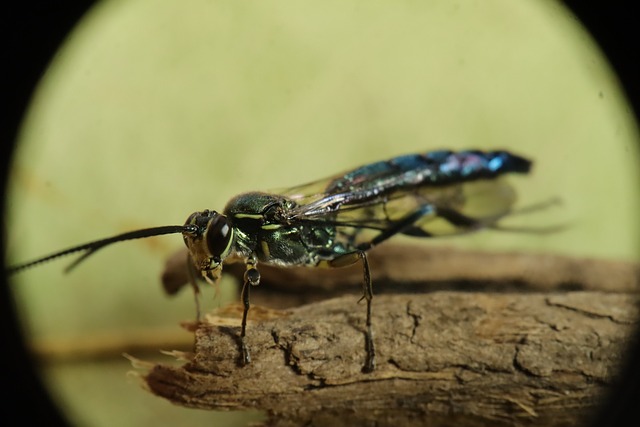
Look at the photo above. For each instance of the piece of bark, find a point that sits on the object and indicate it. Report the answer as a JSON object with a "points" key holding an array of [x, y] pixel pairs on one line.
{"points": [[444, 358]]}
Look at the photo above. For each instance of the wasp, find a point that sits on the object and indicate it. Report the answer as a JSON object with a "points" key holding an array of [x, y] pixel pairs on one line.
{"points": [[334, 222]]}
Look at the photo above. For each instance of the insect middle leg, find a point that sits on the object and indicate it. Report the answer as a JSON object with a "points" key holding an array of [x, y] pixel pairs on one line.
{"points": [[367, 288], [367, 294]]}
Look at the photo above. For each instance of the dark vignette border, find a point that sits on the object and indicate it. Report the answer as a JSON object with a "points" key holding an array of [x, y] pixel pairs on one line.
{"points": [[33, 32]]}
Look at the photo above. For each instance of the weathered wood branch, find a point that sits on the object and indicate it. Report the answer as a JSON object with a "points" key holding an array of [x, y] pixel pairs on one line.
{"points": [[444, 358], [472, 339]]}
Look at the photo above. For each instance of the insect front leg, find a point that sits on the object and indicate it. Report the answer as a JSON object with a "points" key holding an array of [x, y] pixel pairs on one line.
{"points": [[251, 278], [193, 281], [367, 294]]}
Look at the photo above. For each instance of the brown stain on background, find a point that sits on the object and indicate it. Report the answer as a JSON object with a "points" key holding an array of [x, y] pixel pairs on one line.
{"points": [[40, 189]]}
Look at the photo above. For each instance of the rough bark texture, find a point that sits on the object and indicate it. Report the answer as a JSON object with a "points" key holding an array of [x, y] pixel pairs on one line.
{"points": [[469, 358]]}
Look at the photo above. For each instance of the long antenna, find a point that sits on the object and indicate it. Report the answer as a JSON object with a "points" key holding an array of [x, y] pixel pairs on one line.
{"points": [[92, 247]]}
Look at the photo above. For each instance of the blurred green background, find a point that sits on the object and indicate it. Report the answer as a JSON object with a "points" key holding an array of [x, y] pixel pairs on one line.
{"points": [[154, 109]]}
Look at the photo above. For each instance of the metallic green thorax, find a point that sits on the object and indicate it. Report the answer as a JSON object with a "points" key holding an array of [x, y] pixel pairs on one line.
{"points": [[262, 227]]}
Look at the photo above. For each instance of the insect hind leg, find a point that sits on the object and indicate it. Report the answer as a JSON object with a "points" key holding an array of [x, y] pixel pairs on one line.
{"points": [[404, 226], [463, 223], [549, 229], [467, 224]]}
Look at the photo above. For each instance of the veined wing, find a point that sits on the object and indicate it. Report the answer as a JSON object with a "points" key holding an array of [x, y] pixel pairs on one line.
{"points": [[405, 174], [448, 210], [456, 191]]}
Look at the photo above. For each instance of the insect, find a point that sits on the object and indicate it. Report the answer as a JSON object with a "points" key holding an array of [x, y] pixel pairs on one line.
{"points": [[335, 221]]}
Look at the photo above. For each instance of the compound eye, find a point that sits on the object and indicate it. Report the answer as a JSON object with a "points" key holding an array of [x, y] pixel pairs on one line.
{"points": [[218, 236]]}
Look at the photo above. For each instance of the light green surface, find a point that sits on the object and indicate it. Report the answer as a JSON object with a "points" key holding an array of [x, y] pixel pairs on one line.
{"points": [[99, 393], [154, 109]]}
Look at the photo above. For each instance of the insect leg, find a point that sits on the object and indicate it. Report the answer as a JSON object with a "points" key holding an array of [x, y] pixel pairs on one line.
{"points": [[467, 223], [251, 278], [400, 226], [460, 220], [367, 289], [367, 294], [194, 284]]}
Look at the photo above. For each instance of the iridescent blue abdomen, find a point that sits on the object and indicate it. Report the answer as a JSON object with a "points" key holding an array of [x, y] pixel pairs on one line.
{"points": [[434, 168]]}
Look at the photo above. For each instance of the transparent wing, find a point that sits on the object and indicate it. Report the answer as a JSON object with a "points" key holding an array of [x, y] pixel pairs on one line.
{"points": [[422, 211], [476, 205], [425, 195]]}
